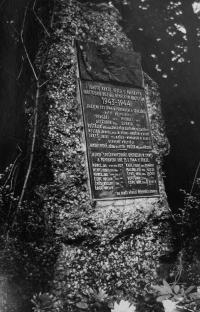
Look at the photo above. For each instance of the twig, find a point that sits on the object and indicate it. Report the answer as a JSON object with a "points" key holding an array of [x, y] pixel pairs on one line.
{"points": [[21, 68], [13, 185], [35, 115], [184, 211], [39, 20], [180, 268], [32, 144], [13, 179], [195, 177], [35, 112], [37, 96], [46, 81], [185, 308], [13, 166], [22, 39]]}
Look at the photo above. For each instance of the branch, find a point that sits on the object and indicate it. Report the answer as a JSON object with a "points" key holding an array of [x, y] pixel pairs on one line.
{"points": [[185, 308], [46, 81], [21, 68], [35, 123], [32, 144], [22, 40], [13, 167], [37, 95], [195, 177], [39, 20]]}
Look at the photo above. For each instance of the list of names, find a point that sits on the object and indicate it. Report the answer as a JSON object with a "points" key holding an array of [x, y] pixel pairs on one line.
{"points": [[118, 137]]}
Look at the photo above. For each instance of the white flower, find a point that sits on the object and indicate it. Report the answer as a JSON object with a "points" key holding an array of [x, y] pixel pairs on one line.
{"points": [[123, 306], [196, 7], [169, 306]]}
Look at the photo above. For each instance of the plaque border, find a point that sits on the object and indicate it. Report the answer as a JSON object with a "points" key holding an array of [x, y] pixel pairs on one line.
{"points": [[88, 158], [87, 153]]}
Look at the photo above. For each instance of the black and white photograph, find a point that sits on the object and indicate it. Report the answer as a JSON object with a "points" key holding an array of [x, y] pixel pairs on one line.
{"points": [[99, 156]]}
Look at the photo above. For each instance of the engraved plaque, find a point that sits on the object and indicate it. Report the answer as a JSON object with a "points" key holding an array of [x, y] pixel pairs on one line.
{"points": [[118, 139]]}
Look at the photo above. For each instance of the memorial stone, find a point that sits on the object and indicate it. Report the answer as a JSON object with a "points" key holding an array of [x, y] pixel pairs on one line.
{"points": [[113, 239], [117, 131]]}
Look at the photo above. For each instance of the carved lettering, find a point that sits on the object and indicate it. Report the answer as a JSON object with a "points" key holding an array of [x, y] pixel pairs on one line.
{"points": [[118, 137]]}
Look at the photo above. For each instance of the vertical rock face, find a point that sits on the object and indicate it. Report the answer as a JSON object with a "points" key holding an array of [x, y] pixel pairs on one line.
{"points": [[112, 244]]}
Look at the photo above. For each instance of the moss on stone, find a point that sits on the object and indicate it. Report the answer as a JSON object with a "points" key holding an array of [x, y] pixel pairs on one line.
{"points": [[114, 245]]}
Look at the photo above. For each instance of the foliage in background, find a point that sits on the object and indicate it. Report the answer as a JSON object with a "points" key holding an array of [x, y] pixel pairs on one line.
{"points": [[31, 241], [187, 223], [28, 245], [176, 297], [167, 34]]}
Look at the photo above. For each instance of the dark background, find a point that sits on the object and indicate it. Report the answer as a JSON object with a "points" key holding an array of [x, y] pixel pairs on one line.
{"points": [[166, 33]]}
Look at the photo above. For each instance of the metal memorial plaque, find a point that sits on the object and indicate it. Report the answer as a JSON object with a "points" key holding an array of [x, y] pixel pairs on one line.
{"points": [[118, 139]]}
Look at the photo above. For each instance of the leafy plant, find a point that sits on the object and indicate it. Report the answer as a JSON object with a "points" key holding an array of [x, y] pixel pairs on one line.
{"points": [[45, 302], [186, 224], [123, 306], [94, 301], [177, 294]]}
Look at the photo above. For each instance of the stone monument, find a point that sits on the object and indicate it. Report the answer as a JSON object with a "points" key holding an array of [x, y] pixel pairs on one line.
{"points": [[105, 143]]}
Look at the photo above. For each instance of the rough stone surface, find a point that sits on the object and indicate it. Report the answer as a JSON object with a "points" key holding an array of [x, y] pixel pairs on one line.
{"points": [[114, 245]]}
